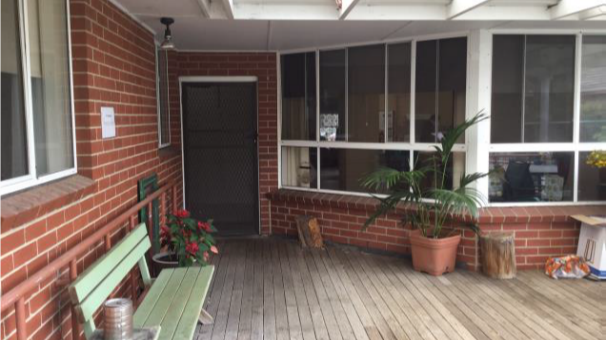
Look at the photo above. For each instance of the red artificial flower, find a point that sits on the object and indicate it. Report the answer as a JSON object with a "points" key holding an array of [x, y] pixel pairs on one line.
{"points": [[214, 249], [206, 256], [164, 232], [192, 248], [186, 233], [182, 213], [204, 226]]}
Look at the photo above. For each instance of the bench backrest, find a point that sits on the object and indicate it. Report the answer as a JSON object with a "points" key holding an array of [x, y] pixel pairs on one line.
{"points": [[90, 290]]}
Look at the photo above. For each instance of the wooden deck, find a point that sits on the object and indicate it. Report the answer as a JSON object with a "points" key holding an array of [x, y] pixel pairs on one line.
{"points": [[271, 289]]}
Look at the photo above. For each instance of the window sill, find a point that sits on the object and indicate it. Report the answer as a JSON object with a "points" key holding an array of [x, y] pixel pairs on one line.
{"points": [[489, 215], [169, 151], [25, 206]]}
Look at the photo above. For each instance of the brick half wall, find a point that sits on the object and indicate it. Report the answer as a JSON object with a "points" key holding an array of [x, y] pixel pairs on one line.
{"points": [[540, 233]]}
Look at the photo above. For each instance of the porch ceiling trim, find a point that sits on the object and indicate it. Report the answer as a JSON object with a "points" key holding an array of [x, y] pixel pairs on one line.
{"points": [[566, 8], [459, 7]]}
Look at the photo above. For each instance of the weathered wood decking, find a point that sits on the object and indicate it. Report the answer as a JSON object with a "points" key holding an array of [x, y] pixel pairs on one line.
{"points": [[271, 289]]}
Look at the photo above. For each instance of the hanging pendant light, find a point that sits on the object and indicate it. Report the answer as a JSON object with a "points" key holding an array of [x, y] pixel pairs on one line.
{"points": [[167, 44]]}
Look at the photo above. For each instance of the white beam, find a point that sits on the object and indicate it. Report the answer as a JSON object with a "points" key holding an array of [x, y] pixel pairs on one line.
{"points": [[277, 11], [460, 7], [593, 13], [498, 13], [399, 12], [570, 7], [346, 7], [204, 7], [228, 5]]}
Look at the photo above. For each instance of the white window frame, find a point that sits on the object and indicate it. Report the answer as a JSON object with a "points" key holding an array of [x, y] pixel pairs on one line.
{"points": [[160, 144], [575, 146], [32, 179], [409, 146], [477, 145]]}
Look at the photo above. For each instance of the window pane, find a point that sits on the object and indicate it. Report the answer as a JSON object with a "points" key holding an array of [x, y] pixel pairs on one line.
{"points": [[299, 96], [343, 169], [593, 89], [531, 177], [163, 101], [398, 105], [452, 83], [50, 84], [14, 142], [366, 94], [549, 89], [592, 181], [454, 170], [440, 87], [299, 167], [507, 88], [425, 91], [332, 95]]}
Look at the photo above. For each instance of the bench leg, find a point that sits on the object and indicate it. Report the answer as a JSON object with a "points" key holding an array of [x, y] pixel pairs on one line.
{"points": [[205, 318]]}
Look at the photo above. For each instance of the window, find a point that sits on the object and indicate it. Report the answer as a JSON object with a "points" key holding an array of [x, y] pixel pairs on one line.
{"points": [[398, 92], [533, 89], [440, 87], [535, 150], [299, 96], [37, 119], [332, 95], [593, 89], [366, 94], [163, 98], [365, 114]]}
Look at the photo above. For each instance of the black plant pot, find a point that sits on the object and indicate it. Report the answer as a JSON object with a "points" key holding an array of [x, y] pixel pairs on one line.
{"points": [[164, 260]]}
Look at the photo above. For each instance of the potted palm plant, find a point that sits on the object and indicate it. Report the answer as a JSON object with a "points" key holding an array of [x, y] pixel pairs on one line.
{"points": [[429, 208], [185, 241]]}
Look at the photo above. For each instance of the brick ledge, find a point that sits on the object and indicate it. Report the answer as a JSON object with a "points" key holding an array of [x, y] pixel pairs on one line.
{"points": [[508, 215], [25, 206]]}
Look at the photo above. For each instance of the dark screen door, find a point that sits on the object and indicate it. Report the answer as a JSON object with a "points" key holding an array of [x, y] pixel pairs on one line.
{"points": [[220, 149]]}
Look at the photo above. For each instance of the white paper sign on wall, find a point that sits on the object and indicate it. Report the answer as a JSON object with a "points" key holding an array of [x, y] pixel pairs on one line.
{"points": [[108, 122]]}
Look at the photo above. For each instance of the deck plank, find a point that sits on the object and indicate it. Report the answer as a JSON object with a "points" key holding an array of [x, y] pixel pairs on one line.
{"points": [[269, 288]]}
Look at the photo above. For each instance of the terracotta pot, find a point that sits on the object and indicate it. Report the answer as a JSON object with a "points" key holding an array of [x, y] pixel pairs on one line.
{"points": [[434, 256]]}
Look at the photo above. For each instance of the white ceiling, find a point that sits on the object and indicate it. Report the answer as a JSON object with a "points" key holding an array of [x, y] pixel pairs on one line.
{"points": [[290, 26]]}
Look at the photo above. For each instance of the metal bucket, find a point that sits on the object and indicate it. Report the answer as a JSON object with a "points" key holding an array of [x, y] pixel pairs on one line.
{"points": [[118, 315]]}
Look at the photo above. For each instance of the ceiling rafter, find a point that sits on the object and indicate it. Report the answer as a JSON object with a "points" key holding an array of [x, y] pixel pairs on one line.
{"points": [[593, 13], [566, 8], [459, 7], [346, 7], [204, 7], [228, 5]]}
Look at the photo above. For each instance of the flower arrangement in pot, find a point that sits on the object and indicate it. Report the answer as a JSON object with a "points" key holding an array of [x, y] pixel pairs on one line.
{"points": [[186, 241], [435, 210], [597, 159]]}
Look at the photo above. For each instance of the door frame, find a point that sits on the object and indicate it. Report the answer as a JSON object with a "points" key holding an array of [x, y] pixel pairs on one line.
{"points": [[220, 79]]}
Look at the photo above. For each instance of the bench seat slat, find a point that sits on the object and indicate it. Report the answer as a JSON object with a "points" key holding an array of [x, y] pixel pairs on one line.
{"points": [[107, 285], [187, 324], [160, 309], [91, 277], [177, 306], [145, 308]]}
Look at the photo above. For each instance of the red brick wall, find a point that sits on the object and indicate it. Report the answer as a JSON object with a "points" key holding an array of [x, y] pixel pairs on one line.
{"points": [[539, 232], [261, 65], [114, 65]]}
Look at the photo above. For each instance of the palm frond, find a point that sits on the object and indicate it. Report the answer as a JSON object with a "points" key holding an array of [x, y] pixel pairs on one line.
{"points": [[387, 204], [470, 178], [452, 136]]}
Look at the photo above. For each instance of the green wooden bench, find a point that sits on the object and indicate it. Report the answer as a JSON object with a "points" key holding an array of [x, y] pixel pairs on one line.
{"points": [[173, 301]]}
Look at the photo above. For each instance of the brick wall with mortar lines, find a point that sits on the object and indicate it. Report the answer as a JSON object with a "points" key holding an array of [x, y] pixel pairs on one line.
{"points": [[261, 65], [114, 65], [540, 233]]}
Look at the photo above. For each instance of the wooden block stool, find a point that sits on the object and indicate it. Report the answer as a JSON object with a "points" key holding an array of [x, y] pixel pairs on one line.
{"points": [[498, 255]]}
